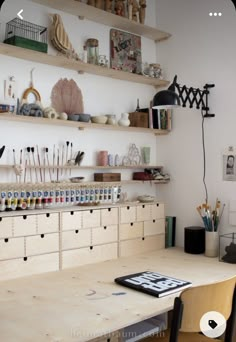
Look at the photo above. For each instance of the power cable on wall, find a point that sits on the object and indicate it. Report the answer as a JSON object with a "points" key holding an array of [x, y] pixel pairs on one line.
{"points": [[204, 157]]}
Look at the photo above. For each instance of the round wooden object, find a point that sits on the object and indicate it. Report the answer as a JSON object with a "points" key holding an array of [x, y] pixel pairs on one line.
{"points": [[31, 91]]}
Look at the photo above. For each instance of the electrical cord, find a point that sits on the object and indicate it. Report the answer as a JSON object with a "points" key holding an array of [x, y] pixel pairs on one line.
{"points": [[204, 157]]}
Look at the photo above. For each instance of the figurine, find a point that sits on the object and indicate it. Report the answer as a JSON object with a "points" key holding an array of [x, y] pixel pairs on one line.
{"points": [[130, 9], [108, 5], [142, 11], [135, 10], [119, 8]]}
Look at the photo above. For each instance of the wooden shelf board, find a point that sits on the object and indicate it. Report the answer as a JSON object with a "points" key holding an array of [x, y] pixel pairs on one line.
{"points": [[77, 124], [102, 17], [91, 167], [71, 64]]}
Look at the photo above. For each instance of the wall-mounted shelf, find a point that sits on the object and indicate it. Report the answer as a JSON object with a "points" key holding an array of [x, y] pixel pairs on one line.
{"points": [[77, 124], [91, 167], [71, 64], [102, 17]]}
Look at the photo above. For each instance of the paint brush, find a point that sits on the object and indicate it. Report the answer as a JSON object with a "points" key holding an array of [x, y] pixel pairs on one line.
{"points": [[20, 162], [58, 160], [53, 158], [35, 169], [44, 164], [40, 170], [62, 158], [28, 150], [71, 154], [49, 170], [14, 161], [67, 149]]}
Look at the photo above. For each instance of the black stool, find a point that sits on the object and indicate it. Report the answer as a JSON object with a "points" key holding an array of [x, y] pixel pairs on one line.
{"points": [[194, 240]]}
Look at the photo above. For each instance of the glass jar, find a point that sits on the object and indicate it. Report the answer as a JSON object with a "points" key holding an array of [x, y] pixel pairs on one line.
{"points": [[92, 51]]}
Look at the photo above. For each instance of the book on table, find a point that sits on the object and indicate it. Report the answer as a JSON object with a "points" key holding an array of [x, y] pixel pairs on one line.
{"points": [[153, 283]]}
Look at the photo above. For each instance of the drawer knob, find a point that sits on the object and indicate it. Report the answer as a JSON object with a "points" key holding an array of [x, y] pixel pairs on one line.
{"points": [[25, 258], [143, 206], [153, 221], [6, 240], [131, 223], [128, 208], [72, 213], [91, 247], [76, 231], [42, 236], [91, 211], [157, 204], [109, 209], [47, 215], [0, 219], [105, 227], [24, 217], [143, 238]]}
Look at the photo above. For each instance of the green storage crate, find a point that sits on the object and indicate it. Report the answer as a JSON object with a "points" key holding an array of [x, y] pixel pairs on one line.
{"points": [[27, 43]]}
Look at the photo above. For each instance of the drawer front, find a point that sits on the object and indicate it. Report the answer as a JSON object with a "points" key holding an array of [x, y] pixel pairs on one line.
{"points": [[154, 227], [144, 212], [40, 244], [131, 230], [139, 246], [10, 269], [158, 211], [109, 216], [48, 223], [104, 234], [91, 218], [127, 214], [6, 227], [71, 220], [12, 248], [25, 225], [76, 238], [85, 256]]}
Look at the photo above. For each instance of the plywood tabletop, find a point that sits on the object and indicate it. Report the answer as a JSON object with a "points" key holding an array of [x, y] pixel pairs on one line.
{"points": [[82, 303]]}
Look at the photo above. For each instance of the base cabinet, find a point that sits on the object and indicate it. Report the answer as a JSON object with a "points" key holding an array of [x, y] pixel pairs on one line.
{"points": [[33, 242]]}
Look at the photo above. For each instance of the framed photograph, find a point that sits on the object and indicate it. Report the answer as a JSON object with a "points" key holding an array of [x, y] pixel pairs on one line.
{"points": [[125, 51], [229, 167]]}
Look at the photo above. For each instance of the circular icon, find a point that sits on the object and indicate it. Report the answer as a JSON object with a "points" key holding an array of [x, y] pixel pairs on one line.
{"points": [[213, 324]]}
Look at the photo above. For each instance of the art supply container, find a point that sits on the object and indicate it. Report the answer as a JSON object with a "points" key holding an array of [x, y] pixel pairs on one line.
{"points": [[92, 51], [211, 244]]}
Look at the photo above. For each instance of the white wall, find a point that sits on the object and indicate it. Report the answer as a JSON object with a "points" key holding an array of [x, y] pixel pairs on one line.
{"points": [[101, 95], [201, 50]]}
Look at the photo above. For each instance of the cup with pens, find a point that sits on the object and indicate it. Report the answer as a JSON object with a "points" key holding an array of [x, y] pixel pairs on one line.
{"points": [[211, 219]]}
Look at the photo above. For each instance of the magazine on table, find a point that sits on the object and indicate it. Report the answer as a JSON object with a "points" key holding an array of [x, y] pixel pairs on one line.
{"points": [[153, 283]]}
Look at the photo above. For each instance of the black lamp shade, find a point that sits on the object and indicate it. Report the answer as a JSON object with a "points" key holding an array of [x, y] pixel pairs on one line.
{"points": [[167, 98]]}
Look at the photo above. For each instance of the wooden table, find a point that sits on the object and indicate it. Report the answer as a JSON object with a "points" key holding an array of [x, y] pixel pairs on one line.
{"points": [[79, 304]]}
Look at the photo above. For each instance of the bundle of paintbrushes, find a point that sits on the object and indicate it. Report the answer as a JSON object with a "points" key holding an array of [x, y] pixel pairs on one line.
{"points": [[211, 218]]}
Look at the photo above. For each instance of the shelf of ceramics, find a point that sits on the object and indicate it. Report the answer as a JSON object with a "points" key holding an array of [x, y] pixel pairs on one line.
{"points": [[71, 64], [102, 17], [77, 124]]}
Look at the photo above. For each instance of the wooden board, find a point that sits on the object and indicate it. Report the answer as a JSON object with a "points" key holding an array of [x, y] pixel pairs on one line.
{"points": [[81, 303]]}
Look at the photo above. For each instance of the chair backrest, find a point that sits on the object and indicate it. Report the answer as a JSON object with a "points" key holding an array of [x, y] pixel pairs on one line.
{"points": [[201, 299]]}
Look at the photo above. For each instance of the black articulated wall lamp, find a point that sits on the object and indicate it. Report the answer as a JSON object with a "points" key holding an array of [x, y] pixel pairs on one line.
{"points": [[177, 95]]}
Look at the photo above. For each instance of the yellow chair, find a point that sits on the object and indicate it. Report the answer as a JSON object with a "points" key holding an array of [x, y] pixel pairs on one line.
{"points": [[192, 304]]}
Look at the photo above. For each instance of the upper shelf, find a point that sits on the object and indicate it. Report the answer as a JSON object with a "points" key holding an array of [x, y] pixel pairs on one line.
{"points": [[64, 62], [78, 124], [102, 17]]}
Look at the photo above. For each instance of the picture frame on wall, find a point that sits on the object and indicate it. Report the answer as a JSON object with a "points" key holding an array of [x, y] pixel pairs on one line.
{"points": [[125, 51], [229, 166]]}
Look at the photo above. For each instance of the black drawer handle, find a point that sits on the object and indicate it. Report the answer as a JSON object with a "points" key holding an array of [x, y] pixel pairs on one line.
{"points": [[47, 215], [91, 247], [131, 223], [24, 217], [128, 208], [91, 211], [0, 219], [105, 227], [153, 221], [25, 258], [42, 236], [109, 209], [76, 231], [143, 238], [157, 204], [143, 206], [72, 213], [6, 240]]}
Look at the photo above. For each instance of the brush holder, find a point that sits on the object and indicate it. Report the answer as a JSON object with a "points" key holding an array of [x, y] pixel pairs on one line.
{"points": [[211, 244]]}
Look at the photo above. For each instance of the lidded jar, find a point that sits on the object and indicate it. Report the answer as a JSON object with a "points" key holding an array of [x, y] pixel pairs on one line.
{"points": [[92, 51]]}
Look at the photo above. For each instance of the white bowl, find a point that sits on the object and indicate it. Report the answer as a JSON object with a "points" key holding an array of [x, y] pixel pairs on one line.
{"points": [[100, 119], [146, 198]]}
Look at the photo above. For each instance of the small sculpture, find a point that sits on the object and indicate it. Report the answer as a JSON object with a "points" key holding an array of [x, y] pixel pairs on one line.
{"points": [[119, 8], [142, 11], [108, 5], [130, 9], [135, 10]]}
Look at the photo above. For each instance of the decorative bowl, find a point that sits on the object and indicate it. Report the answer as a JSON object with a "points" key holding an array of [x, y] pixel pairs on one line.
{"points": [[101, 119], [84, 117], [146, 199], [76, 179], [73, 117]]}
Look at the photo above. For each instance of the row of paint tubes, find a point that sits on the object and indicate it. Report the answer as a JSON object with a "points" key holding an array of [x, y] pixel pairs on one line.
{"points": [[20, 199]]}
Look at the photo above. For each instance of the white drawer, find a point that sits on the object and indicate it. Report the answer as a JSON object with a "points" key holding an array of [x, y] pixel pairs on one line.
{"points": [[154, 227], [76, 238], [71, 220], [6, 227], [144, 245], [12, 248], [25, 225], [109, 216], [131, 230], [90, 255], [91, 218], [127, 214], [144, 212], [40, 244], [48, 223], [104, 234], [158, 211], [16, 268]]}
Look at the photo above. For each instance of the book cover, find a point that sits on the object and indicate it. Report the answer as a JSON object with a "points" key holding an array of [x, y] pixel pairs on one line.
{"points": [[169, 119], [153, 283], [155, 118], [163, 118], [170, 231]]}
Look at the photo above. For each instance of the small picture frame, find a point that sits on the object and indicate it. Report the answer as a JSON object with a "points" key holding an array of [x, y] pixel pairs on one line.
{"points": [[229, 166]]}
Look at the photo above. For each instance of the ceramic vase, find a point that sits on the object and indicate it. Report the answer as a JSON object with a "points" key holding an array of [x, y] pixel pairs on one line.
{"points": [[211, 244], [124, 120]]}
